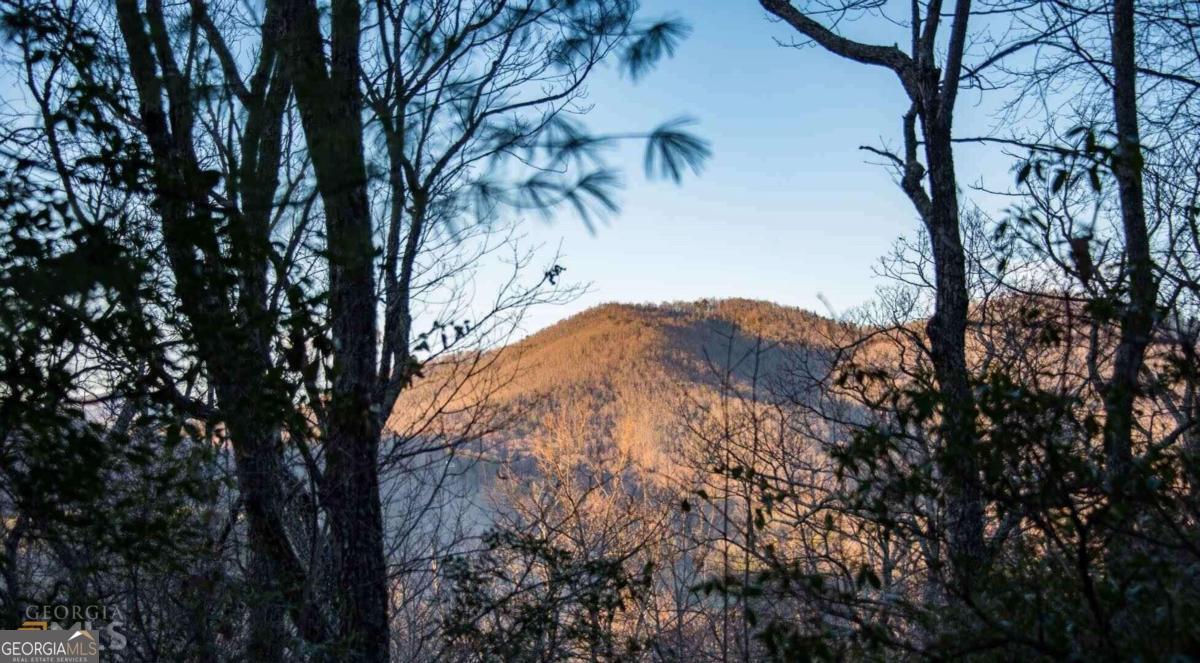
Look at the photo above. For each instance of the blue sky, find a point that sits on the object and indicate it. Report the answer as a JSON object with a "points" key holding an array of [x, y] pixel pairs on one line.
{"points": [[788, 206]]}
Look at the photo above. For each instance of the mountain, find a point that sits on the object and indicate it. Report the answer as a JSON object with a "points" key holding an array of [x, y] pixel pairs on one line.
{"points": [[616, 375]]}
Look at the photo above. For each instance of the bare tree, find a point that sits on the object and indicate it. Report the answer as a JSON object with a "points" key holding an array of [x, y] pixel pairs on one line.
{"points": [[932, 87]]}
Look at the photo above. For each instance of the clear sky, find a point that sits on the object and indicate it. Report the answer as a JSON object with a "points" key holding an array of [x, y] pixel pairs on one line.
{"points": [[788, 206]]}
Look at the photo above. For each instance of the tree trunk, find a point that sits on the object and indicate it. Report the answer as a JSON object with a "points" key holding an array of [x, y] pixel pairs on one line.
{"points": [[330, 105], [1137, 319], [266, 607], [230, 338], [933, 103], [947, 336]]}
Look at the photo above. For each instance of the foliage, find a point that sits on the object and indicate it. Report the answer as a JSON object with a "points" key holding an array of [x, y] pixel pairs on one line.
{"points": [[526, 599]]}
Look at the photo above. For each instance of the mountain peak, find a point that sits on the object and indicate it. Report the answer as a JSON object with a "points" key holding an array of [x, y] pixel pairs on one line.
{"points": [[752, 317], [620, 371]]}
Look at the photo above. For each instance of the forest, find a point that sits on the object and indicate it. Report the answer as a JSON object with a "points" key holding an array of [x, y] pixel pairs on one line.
{"points": [[261, 399]]}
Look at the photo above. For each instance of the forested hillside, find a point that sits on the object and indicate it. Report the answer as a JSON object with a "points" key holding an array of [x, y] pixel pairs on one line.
{"points": [[621, 374]]}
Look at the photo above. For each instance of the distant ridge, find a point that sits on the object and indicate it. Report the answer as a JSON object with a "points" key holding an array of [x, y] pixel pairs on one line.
{"points": [[615, 374]]}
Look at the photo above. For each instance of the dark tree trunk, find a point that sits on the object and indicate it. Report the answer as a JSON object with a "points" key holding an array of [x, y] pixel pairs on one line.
{"points": [[1137, 319], [232, 338], [947, 337], [932, 91], [948, 326], [329, 101]]}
